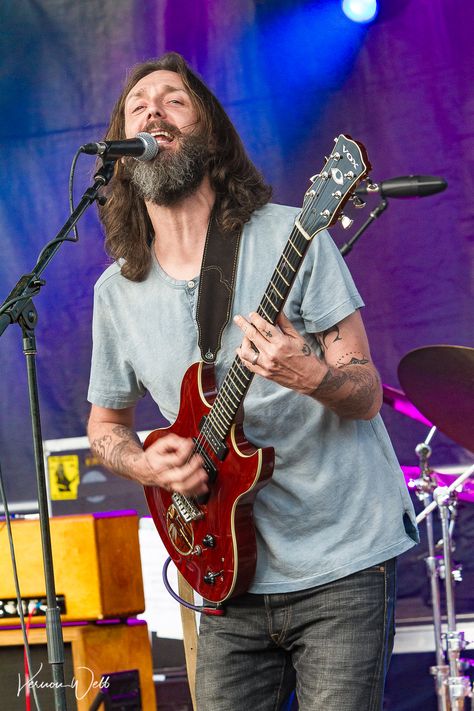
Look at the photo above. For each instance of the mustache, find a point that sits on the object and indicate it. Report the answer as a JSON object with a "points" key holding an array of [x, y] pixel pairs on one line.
{"points": [[162, 125]]}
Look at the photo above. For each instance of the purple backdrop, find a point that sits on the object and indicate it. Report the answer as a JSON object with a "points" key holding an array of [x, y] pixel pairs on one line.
{"points": [[292, 75]]}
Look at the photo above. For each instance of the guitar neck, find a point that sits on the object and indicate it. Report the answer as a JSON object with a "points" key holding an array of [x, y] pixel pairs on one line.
{"points": [[237, 381], [324, 200]]}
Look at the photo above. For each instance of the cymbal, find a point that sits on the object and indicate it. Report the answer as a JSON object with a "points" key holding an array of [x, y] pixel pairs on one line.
{"points": [[439, 380], [465, 492], [399, 402]]}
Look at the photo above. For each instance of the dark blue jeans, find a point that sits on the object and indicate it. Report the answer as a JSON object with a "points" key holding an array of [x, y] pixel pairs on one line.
{"points": [[331, 643]]}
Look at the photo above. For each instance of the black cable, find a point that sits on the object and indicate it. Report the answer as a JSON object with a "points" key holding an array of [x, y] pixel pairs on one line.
{"points": [[71, 190], [75, 237], [51, 243], [17, 585]]}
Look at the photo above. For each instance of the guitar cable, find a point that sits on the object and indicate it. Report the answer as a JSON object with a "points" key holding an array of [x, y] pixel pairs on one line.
{"points": [[203, 609]]}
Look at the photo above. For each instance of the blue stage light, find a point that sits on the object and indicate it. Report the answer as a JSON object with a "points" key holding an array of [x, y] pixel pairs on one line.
{"points": [[360, 10]]}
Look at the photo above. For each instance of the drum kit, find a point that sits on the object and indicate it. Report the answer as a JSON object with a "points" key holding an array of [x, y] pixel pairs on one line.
{"points": [[438, 391]]}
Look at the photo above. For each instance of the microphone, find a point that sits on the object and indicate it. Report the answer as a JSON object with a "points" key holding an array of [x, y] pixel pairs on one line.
{"points": [[142, 147], [405, 186]]}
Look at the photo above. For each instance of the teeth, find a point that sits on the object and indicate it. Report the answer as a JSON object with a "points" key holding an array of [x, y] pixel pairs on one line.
{"points": [[155, 134]]}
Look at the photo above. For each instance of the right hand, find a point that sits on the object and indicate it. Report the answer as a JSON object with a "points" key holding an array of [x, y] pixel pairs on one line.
{"points": [[171, 464]]}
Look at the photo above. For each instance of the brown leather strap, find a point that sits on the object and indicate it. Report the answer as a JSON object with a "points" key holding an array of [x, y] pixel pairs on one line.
{"points": [[216, 288]]}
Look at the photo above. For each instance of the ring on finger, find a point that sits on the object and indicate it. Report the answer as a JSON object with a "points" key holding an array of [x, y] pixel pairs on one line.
{"points": [[254, 360]]}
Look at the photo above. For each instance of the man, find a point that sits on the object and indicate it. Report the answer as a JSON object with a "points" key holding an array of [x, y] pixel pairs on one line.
{"points": [[336, 513]]}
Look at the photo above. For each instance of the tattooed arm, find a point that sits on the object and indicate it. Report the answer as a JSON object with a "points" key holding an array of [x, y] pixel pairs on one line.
{"points": [[342, 377], [351, 385], [168, 462]]}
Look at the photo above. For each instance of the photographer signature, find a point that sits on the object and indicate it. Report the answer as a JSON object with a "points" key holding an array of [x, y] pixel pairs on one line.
{"points": [[34, 682]]}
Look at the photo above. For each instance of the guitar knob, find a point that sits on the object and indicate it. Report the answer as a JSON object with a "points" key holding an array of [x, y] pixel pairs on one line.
{"points": [[210, 577], [209, 541]]}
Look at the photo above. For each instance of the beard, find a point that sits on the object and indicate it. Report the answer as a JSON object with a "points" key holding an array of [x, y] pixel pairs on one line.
{"points": [[172, 175]]}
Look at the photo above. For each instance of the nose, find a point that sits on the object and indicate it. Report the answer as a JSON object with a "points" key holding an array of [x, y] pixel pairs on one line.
{"points": [[156, 110]]}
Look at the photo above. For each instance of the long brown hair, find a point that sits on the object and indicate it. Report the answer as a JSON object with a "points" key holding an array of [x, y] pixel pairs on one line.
{"points": [[239, 187]]}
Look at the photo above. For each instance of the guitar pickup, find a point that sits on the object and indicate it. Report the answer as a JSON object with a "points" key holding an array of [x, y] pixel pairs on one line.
{"points": [[218, 446]]}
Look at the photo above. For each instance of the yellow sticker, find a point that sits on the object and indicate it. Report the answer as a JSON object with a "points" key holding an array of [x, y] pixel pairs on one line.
{"points": [[63, 476]]}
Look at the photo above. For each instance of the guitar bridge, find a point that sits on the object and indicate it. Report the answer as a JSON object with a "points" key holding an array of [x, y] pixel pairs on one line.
{"points": [[186, 508]]}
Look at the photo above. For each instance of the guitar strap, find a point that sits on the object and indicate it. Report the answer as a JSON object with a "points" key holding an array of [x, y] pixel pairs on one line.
{"points": [[216, 288]]}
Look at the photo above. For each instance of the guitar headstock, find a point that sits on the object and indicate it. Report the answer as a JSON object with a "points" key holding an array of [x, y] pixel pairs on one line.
{"points": [[330, 189]]}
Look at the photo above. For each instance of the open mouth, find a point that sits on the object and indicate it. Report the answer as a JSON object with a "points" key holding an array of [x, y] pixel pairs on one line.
{"points": [[162, 136]]}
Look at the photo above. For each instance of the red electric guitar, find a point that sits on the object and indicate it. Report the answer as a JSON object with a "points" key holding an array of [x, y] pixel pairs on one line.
{"points": [[212, 542]]}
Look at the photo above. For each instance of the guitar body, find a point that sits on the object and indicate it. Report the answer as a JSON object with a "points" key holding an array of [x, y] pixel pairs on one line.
{"points": [[216, 552]]}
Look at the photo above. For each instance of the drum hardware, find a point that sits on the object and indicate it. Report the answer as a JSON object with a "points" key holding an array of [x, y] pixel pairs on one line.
{"points": [[448, 404], [452, 686]]}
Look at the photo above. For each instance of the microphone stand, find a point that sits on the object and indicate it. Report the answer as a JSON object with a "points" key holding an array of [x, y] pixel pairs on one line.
{"points": [[376, 212], [19, 308]]}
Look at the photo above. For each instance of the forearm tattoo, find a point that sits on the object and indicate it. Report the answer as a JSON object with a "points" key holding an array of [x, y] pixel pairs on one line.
{"points": [[100, 447], [353, 360], [361, 386], [117, 455]]}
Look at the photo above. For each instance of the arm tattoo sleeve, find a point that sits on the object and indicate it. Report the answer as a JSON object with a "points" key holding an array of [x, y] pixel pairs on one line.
{"points": [[118, 451], [100, 446], [361, 385]]}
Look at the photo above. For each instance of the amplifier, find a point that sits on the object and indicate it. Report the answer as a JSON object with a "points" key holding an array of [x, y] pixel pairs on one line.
{"points": [[97, 566]]}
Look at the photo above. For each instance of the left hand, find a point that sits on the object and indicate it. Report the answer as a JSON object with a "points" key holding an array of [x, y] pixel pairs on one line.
{"points": [[279, 353]]}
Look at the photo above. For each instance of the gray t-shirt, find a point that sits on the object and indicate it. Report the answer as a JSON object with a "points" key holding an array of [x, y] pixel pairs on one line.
{"points": [[337, 501]]}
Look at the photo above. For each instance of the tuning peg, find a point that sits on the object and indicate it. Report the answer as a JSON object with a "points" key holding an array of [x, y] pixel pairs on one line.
{"points": [[345, 221]]}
